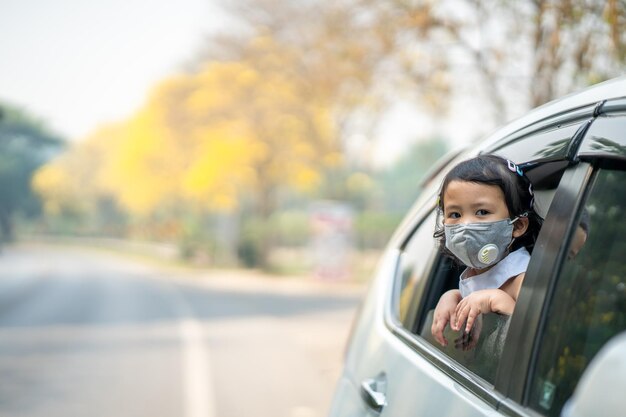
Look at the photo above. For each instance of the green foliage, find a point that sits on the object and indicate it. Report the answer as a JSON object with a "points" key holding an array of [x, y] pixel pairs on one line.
{"points": [[285, 228], [290, 228], [25, 144], [372, 229], [252, 242], [400, 184]]}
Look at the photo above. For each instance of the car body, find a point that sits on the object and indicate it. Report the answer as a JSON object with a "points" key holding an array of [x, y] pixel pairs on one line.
{"points": [[571, 304]]}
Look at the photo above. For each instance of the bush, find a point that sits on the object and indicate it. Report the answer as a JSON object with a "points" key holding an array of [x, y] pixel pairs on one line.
{"points": [[372, 230]]}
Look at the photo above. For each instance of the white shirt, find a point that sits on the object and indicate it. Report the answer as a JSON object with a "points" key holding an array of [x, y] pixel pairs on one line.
{"points": [[511, 266]]}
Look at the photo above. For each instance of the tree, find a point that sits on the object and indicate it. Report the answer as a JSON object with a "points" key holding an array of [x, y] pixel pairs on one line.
{"points": [[576, 43], [255, 134], [512, 55], [400, 183], [332, 60], [227, 137], [25, 144], [503, 51], [76, 185]]}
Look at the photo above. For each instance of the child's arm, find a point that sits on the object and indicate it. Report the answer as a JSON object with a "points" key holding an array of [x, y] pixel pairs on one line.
{"points": [[500, 300], [444, 313]]}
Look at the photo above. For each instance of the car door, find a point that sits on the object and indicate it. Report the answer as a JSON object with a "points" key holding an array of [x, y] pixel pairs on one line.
{"points": [[396, 371], [393, 367], [462, 379], [576, 302]]}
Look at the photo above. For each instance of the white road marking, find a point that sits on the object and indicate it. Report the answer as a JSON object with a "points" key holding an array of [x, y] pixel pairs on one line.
{"points": [[198, 391], [197, 384]]}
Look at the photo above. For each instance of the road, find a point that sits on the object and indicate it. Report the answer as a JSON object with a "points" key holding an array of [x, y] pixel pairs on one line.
{"points": [[92, 333]]}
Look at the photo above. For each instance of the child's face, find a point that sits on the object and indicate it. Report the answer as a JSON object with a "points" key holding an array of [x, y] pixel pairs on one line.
{"points": [[470, 202]]}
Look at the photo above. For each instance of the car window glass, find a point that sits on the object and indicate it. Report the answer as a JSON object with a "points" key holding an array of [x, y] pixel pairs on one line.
{"points": [[547, 145], [605, 136], [545, 179], [588, 305], [481, 349], [414, 261]]}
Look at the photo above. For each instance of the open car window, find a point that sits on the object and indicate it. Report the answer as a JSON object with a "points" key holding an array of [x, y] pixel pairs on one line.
{"points": [[480, 350]]}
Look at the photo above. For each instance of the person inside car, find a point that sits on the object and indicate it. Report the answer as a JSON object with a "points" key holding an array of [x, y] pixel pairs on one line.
{"points": [[580, 236], [490, 225]]}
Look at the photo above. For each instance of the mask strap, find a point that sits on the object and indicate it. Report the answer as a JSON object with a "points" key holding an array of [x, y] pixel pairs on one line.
{"points": [[508, 247], [524, 214]]}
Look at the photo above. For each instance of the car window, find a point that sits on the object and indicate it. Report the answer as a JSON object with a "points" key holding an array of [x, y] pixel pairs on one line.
{"points": [[423, 275], [588, 304], [481, 349], [551, 144], [415, 260]]}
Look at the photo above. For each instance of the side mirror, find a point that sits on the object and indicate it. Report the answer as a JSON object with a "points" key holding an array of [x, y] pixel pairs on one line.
{"points": [[600, 391]]}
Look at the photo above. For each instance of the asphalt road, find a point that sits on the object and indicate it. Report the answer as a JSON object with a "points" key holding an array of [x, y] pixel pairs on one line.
{"points": [[91, 333]]}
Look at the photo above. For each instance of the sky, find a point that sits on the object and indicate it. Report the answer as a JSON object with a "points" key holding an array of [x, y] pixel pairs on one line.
{"points": [[78, 64]]}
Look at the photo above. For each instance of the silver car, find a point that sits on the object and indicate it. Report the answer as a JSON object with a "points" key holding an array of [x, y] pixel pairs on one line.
{"points": [[572, 303]]}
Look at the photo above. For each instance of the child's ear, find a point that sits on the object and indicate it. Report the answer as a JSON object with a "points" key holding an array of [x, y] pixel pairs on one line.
{"points": [[520, 227]]}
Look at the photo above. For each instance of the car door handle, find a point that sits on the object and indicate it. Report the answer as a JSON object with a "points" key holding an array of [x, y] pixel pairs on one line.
{"points": [[373, 391]]}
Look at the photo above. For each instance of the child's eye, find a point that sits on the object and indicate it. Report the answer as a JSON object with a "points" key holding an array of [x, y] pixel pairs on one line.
{"points": [[482, 212], [454, 215]]}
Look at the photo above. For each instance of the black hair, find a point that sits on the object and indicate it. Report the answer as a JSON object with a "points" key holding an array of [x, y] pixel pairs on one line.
{"points": [[515, 185]]}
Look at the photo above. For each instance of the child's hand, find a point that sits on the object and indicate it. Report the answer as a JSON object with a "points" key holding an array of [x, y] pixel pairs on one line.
{"points": [[468, 341], [444, 314], [481, 302]]}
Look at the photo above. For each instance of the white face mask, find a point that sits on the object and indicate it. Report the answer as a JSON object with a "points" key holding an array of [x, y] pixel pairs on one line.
{"points": [[479, 245]]}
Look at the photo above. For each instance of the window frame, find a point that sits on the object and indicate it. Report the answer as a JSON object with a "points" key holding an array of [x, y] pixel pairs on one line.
{"points": [[519, 349], [599, 167], [537, 295], [521, 346], [496, 395]]}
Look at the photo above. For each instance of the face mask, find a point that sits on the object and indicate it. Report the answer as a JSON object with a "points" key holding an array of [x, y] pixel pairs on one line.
{"points": [[479, 245]]}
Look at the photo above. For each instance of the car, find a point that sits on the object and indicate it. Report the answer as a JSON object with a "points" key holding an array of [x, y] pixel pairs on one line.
{"points": [[571, 304]]}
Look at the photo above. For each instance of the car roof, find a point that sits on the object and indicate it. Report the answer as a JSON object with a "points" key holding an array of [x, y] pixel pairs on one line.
{"points": [[586, 98]]}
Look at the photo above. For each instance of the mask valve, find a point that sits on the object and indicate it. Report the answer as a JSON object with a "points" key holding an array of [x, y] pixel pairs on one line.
{"points": [[488, 254]]}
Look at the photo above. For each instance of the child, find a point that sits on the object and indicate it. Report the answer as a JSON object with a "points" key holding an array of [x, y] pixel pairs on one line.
{"points": [[490, 225]]}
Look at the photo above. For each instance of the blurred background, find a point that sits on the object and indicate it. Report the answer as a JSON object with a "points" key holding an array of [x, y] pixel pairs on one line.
{"points": [[261, 142], [242, 132]]}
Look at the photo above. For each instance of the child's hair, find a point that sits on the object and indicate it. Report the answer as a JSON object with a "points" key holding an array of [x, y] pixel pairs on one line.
{"points": [[516, 187]]}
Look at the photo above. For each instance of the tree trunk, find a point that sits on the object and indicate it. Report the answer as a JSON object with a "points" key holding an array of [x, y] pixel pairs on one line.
{"points": [[266, 241], [6, 226]]}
